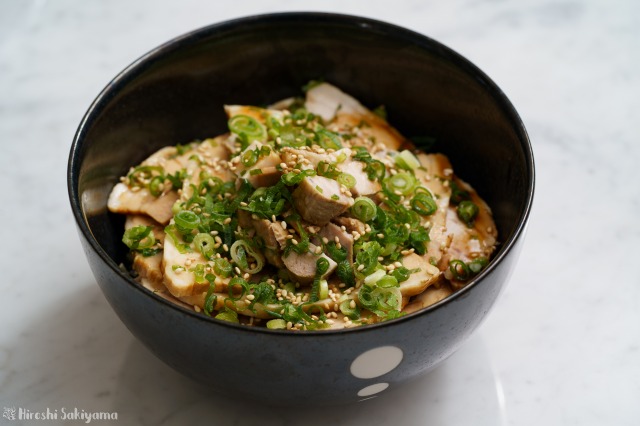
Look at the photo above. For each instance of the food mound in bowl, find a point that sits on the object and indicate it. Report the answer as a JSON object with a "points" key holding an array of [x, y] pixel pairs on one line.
{"points": [[309, 214]]}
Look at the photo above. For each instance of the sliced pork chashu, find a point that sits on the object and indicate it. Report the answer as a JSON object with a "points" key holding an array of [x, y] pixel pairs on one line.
{"points": [[433, 173], [319, 199], [127, 199], [343, 113], [148, 268], [430, 296], [469, 243]]}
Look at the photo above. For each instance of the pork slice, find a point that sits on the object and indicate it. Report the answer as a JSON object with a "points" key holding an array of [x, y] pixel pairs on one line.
{"points": [[307, 159], [432, 175], [319, 199], [351, 224], [418, 281], [363, 185], [331, 231], [466, 243], [430, 296], [345, 113], [257, 113], [138, 200], [274, 237], [148, 268], [266, 164], [302, 267], [179, 278], [124, 200]]}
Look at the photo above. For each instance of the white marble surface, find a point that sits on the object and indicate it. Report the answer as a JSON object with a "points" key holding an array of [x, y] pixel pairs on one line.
{"points": [[561, 348]]}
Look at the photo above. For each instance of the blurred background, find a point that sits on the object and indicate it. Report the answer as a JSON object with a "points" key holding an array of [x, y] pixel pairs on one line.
{"points": [[563, 343]]}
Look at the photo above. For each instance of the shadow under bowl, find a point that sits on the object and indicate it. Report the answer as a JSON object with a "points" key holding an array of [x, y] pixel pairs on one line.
{"points": [[174, 94]]}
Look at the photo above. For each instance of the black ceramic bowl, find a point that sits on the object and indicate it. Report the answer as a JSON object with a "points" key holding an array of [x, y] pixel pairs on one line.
{"points": [[175, 93]]}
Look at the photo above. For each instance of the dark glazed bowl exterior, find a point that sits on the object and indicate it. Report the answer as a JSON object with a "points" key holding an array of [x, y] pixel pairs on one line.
{"points": [[175, 93]]}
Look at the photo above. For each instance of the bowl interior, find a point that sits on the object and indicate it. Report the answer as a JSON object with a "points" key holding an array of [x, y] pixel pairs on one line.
{"points": [[175, 94]]}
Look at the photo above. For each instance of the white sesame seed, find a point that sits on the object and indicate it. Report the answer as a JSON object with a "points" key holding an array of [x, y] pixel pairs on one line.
{"points": [[225, 247]]}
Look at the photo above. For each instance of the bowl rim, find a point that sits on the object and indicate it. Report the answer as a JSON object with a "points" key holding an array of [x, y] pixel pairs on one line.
{"points": [[246, 23]]}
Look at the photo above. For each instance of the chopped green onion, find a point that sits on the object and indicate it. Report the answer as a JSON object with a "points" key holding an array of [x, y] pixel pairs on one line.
{"points": [[143, 173], [328, 140], [139, 237], [375, 277], [228, 315], [156, 186], [322, 266], [204, 244], [255, 172], [401, 274], [240, 252], [222, 267], [368, 256], [467, 212], [423, 204], [375, 169], [249, 127], [348, 311], [388, 299], [276, 324], [387, 281], [380, 301], [347, 180], [457, 194], [323, 291], [364, 209], [477, 264], [406, 160], [293, 178], [459, 270], [186, 219], [210, 299], [249, 158], [402, 183]]}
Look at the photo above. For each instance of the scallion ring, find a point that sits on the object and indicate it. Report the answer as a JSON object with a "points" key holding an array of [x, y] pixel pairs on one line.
{"points": [[204, 243], [406, 160], [387, 281], [228, 315], [186, 219], [374, 277], [349, 311], [346, 179], [248, 126], [423, 204], [364, 209], [276, 324], [401, 183], [222, 267], [242, 252], [459, 270], [249, 158], [156, 186], [467, 212], [139, 237], [328, 140]]}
